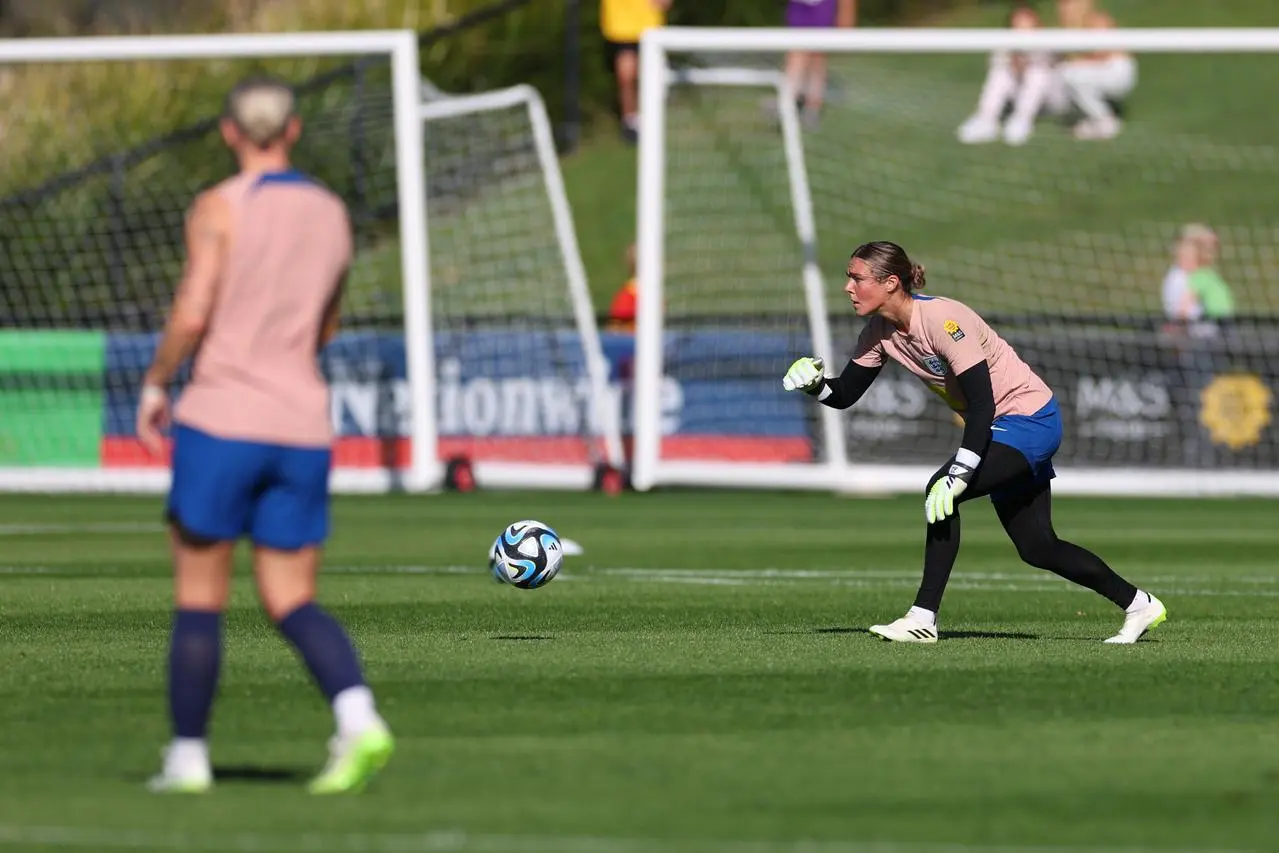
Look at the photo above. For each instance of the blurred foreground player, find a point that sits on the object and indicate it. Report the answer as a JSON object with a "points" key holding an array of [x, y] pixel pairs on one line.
{"points": [[267, 254], [1012, 428]]}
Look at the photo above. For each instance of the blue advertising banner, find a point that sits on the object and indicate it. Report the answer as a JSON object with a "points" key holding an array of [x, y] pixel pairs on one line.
{"points": [[511, 392]]}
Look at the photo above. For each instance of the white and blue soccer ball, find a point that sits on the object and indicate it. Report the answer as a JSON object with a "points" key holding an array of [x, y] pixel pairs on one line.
{"points": [[496, 569], [527, 555]]}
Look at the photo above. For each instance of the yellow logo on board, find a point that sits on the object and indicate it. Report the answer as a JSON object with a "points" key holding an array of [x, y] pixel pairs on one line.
{"points": [[1235, 408]]}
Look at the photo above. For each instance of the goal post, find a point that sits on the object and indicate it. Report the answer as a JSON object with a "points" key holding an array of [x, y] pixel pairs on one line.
{"points": [[468, 331], [805, 279], [1062, 244], [515, 326], [88, 318]]}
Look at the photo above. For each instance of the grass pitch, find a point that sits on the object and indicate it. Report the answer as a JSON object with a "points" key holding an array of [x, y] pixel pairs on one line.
{"points": [[700, 679]]}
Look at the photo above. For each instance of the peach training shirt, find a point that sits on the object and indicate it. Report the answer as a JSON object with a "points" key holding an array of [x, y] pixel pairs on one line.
{"points": [[256, 376], [946, 338]]}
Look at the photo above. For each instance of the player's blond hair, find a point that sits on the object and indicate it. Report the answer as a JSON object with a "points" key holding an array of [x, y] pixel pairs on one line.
{"points": [[261, 108], [1203, 238]]}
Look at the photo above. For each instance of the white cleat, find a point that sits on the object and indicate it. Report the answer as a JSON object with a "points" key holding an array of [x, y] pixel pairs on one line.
{"points": [[1139, 621], [180, 783], [906, 630], [183, 773]]}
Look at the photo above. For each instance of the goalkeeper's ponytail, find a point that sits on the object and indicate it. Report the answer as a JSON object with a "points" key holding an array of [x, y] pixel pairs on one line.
{"points": [[887, 259]]}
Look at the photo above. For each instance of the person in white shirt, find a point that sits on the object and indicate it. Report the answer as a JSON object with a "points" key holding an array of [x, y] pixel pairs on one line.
{"points": [[1027, 83], [1196, 247], [1098, 79], [1191, 337]]}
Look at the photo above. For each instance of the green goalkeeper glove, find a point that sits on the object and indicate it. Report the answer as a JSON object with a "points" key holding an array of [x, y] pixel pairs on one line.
{"points": [[804, 375], [940, 503]]}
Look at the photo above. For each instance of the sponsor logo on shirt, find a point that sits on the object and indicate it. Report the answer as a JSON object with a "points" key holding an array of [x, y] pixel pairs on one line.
{"points": [[952, 329]]}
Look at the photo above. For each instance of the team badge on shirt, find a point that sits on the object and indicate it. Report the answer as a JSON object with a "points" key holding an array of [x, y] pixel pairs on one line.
{"points": [[952, 329], [934, 365]]}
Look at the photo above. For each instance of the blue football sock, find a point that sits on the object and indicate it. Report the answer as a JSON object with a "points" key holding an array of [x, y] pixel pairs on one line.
{"points": [[324, 647], [195, 656]]}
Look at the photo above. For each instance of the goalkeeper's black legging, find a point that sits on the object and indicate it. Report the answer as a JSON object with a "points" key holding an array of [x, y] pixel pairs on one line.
{"points": [[1026, 513]]}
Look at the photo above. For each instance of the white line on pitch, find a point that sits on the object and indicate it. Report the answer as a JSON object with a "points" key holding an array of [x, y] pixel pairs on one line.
{"points": [[1031, 581], [66, 837], [91, 528], [1030, 575]]}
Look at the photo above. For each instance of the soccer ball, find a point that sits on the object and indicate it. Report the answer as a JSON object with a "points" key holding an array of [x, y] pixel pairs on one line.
{"points": [[496, 569], [527, 555]]}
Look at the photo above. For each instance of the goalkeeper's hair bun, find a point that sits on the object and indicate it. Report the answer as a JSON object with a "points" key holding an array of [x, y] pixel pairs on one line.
{"points": [[887, 259], [917, 278]]}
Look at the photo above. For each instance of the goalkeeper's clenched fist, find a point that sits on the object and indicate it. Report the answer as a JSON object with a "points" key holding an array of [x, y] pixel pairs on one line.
{"points": [[940, 503], [805, 375]]}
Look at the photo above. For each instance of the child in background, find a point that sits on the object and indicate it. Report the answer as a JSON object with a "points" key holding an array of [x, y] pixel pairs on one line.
{"points": [[806, 71]]}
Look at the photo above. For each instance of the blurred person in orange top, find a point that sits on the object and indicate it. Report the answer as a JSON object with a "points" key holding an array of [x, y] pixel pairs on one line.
{"points": [[621, 312], [622, 22]]}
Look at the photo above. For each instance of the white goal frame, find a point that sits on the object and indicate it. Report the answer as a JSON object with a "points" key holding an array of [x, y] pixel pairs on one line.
{"points": [[835, 473], [425, 470], [526, 475]]}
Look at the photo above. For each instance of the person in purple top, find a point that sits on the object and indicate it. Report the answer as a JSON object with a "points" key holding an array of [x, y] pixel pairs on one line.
{"points": [[805, 70]]}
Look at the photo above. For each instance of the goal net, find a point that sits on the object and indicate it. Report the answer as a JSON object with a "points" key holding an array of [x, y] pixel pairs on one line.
{"points": [[524, 392], [91, 212], [1063, 244]]}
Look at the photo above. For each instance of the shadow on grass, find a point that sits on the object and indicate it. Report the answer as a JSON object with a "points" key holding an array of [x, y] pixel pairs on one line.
{"points": [[986, 635], [251, 773], [832, 630], [255, 773]]}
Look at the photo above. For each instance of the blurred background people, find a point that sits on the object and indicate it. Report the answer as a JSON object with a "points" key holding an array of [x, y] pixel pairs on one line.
{"points": [[1019, 86], [1197, 302], [1195, 296], [622, 22], [806, 70], [1097, 81]]}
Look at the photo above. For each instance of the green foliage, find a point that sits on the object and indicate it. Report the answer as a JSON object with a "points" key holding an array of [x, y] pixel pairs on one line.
{"points": [[103, 247], [65, 116], [59, 117]]}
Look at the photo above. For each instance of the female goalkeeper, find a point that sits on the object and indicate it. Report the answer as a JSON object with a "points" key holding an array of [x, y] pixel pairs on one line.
{"points": [[1012, 428]]}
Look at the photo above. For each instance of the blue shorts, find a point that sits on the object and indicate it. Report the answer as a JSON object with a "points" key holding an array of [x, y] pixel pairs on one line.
{"points": [[224, 489], [1036, 436]]}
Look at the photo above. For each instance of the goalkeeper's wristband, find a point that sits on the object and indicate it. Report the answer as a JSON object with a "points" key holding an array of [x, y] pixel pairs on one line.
{"points": [[967, 458]]}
